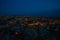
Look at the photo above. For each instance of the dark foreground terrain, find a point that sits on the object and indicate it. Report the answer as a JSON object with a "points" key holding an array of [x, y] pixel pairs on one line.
{"points": [[29, 28]]}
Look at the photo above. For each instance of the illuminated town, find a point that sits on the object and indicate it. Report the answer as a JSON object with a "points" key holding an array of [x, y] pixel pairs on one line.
{"points": [[39, 23], [27, 21]]}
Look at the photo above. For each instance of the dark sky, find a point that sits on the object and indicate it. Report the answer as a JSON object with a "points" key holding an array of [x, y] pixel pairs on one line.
{"points": [[30, 7]]}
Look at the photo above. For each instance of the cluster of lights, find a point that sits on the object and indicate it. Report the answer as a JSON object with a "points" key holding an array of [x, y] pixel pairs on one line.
{"points": [[34, 21]]}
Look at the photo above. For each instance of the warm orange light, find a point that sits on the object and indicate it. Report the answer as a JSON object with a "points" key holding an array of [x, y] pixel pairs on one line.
{"points": [[36, 23], [42, 23], [30, 24], [16, 33]]}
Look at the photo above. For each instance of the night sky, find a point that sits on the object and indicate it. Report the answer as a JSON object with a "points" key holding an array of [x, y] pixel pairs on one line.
{"points": [[30, 7]]}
